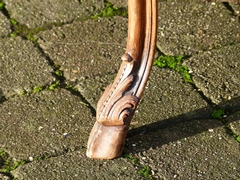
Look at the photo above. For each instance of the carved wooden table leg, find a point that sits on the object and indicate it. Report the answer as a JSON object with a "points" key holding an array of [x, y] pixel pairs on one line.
{"points": [[116, 107]]}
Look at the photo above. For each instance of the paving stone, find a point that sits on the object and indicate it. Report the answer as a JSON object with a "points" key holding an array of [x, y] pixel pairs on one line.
{"points": [[215, 73], [120, 4], [197, 149], [190, 28], [3, 177], [48, 123], [5, 26], [86, 49], [167, 96], [22, 67], [34, 14], [76, 166], [234, 122], [193, 150]]}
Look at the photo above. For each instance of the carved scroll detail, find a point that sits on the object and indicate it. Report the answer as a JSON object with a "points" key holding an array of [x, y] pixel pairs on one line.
{"points": [[120, 99], [116, 106]]}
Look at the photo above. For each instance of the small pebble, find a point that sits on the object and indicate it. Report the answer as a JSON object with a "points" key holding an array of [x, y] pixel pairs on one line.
{"points": [[210, 130]]}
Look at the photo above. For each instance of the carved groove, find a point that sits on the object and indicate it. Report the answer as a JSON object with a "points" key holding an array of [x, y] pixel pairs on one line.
{"points": [[116, 107]]}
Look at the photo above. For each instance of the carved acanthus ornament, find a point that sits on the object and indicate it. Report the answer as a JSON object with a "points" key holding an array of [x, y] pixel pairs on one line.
{"points": [[116, 107]]}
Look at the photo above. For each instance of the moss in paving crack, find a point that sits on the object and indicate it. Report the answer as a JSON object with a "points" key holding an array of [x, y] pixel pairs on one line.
{"points": [[14, 22], [110, 10], [39, 158], [218, 114], [9, 167], [54, 86], [131, 158], [237, 137], [29, 33], [231, 132], [1, 5], [146, 172], [70, 87], [59, 72], [24, 31], [7, 164], [22, 93], [174, 63], [37, 89]]}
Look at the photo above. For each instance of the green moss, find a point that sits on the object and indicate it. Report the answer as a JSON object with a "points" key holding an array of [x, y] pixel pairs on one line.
{"points": [[13, 34], [218, 114], [29, 33], [2, 153], [54, 86], [237, 137], [10, 167], [110, 10], [174, 63], [24, 31], [1, 5], [39, 158], [70, 87], [232, 133], [13, 21], [59, 72], [146, 172], [37, 89], [7, 164], [23, 93], [131, 158]]}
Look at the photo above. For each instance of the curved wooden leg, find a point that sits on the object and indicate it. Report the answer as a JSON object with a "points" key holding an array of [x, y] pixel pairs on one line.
{"points": [[116, 107]]}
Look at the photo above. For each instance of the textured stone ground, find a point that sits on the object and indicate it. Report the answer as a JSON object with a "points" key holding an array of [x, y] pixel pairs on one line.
{"points": [[55, 60]]}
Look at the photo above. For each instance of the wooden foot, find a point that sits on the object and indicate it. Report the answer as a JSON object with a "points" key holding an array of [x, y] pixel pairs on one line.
{"points": [[118, 103]]}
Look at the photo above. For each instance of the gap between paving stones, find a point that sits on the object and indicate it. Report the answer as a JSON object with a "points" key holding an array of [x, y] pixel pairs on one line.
{"points": [[44, 88], [61, 79], [61, 103], [231, 7], [19, 31]]}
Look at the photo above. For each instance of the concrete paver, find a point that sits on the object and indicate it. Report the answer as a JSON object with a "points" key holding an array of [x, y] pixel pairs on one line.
{"points": [[122, 3], [172, 131], [34, 14], [197, 149], [190, 28], [44, 124], [22, 67], [234, 122], [219, 82], [5, 25], [75, 165], [177, 98], [76, 44]]}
